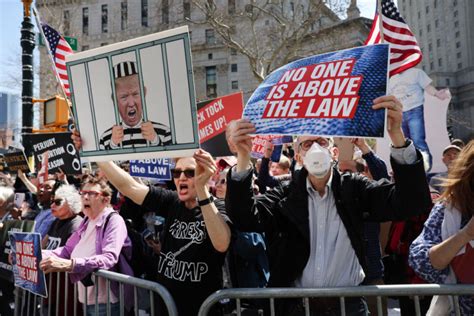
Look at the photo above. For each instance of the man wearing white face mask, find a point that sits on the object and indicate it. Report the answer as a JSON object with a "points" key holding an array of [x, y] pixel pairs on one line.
{"points": [[314, 225]]}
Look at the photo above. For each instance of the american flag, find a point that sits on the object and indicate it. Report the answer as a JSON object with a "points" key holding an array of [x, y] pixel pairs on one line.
{"points": [[59, 49], [404, 50]]}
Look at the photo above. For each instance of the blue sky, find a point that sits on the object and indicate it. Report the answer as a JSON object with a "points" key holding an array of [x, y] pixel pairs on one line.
{"points": [[11, 15]]}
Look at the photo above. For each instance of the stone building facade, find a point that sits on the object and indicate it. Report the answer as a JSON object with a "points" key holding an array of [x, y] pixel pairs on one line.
{"points": [[218, 69], [445, 32]]}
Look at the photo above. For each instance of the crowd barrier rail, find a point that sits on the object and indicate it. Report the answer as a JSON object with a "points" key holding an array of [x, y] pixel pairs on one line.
{"points": [[59, 298], [412, 290]]}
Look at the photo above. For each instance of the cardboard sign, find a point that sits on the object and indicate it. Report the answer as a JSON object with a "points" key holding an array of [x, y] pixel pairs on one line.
{"points": [[135, 99], [159, 168], [16, 160], [328, 95], [5, 227], [213, 117], [60, 151], [26, 255]]}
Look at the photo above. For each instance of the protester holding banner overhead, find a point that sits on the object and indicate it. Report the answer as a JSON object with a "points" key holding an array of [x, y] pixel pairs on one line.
{"points": [[132, 131], [444, 251], [100, 242], [314, 225], [197, 232]]}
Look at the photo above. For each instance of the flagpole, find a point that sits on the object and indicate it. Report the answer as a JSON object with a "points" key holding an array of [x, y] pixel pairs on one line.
{"points": [[379, 14], [38, 22]]}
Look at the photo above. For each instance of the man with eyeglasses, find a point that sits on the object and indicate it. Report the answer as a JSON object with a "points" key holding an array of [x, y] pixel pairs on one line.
{"points": [[197, 230], [314, 225]]}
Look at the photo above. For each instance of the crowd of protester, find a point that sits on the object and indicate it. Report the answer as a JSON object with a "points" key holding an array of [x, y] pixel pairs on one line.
{"points": [[308, 220]]}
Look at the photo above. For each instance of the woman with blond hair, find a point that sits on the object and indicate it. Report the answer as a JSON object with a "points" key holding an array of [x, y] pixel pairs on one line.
{"points": [[444, 251]]}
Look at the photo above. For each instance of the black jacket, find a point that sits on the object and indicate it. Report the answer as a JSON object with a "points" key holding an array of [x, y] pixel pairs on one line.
{"points": [[282, 213]]}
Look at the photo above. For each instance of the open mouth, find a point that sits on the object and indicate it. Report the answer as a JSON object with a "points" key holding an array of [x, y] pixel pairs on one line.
{"points": [[183, 188], [132, 113], [87, 206]]}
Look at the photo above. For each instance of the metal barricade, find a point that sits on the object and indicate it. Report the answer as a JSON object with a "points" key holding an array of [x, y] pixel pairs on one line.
{"points": [[61, 301], [379, 291]]}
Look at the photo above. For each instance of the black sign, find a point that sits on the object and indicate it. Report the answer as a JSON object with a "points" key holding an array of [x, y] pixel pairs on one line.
{"points": [[16, 160], [6, 226], [61, 151]]}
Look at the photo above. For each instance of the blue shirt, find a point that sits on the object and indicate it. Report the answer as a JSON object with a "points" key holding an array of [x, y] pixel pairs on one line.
{"points": [[43, 222]]}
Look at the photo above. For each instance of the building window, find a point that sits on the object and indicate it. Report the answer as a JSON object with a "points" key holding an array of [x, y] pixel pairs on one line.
{"points": [[456, 23], [430, 47], [458, 44], [66, 22], [104, 44], [428, 28], [448, 82], [457, 34], [165, 12], [455, 2], [431, 65], [124, 15], [234, 85], [231, 6], [233, 51], [419, 15], [440, 62], [85, 21], [84, 47], [458, 55], [104, 18], [209, 56], [455, 13], [427, 9], [233, 68], [421, 32], [459, 65], [210, 36], [211, 82], [436, 23], [435, 3], [186, 9], [145, 13], [438, 42]]}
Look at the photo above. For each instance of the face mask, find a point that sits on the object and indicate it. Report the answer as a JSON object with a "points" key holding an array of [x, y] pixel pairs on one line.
{"points": [[317, 161]]}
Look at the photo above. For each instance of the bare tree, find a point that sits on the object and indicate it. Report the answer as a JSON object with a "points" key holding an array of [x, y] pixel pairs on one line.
{"points": [[270, 33]]}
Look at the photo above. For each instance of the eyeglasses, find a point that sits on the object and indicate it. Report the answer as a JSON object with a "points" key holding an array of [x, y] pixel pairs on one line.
{"points": [[306, 145], [58, 202], [221, 182], [90, 193], [188, 173]]}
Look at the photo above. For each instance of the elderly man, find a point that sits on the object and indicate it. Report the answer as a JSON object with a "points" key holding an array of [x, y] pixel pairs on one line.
{"points": [[132, 131], [314, 225], [450, 153]]}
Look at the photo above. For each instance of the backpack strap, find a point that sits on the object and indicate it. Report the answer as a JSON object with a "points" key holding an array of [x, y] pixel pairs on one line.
{"points": [[107, 221]]}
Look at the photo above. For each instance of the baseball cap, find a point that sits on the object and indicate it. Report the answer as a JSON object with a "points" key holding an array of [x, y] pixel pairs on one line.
{"points": [[451, 147], [125, 68], [227, 161]]}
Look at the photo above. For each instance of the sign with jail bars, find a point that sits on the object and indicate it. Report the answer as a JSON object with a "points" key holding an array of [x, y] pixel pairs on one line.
{"points": [[136, 99]]}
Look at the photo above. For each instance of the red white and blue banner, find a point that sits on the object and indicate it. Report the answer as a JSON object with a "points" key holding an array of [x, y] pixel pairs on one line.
{"points": [[158, 168], [328, 95], [26, 256]]}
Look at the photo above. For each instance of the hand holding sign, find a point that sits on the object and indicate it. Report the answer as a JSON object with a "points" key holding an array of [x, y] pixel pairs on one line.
{"points": [[394, 118], [56, 264], [205, 169]]}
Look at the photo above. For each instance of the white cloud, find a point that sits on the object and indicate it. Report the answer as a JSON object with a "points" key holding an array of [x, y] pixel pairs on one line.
{"points": [[367, 8]]}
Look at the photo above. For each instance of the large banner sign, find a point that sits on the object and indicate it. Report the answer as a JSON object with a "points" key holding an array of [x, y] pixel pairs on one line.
{"points": [[329, 95], [26, 255], [158, 168], [213, 117], [135, 99], [5, 246], [60, 150]]}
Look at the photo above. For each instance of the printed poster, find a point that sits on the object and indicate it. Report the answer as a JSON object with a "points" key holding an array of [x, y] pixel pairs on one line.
{"points": [[26, 256], [157, 168], [327, 95], [213, 117], [135, 99]]}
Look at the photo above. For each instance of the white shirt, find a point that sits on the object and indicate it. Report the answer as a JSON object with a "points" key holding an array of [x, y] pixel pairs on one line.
{"points": [[332, 261], [408, 87]]}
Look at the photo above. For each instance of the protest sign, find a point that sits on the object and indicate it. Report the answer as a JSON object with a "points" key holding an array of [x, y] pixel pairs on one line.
{"points": [[135, 99], [158, 168], [15, 160], [60, 149], [328, 95], [26, 256], [260, 142], [213, 116], [5, 227]]}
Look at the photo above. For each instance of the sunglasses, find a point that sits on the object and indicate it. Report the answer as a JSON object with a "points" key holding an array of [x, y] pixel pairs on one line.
{"points": [[188, 173], [90, 193], [58, 202]]}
